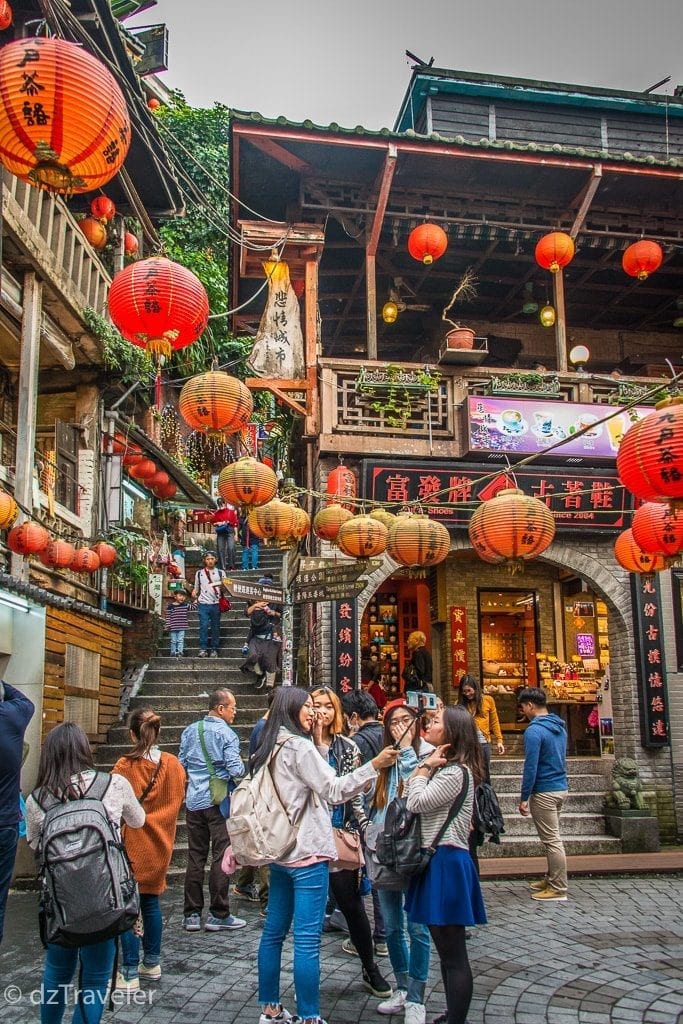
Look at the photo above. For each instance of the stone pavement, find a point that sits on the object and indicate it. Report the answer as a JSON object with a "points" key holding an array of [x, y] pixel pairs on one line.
{"points": [[612, 955]]}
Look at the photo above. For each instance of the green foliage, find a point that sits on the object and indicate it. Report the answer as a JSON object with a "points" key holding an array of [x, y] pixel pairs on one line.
{"points": [[128, 361], [130, 568]]}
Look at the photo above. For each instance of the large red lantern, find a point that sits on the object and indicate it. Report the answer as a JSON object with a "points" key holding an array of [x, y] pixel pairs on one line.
{"points": [[63, 120], [5, 15], [642, 259], [95, 231], [133, 459], [650, 456], [58, 554], [143, 470], [554, 251], [216, 401], [9, 510], [247, 482], [427, 242], [417, 540], [328, 521], [158, 479], [632, 557], [85, 560], [102, 208], [362, 537], [658, 530], [511, 527], [166, 491], [106, 553], [341, 484], [158, 305], [28, 539]]}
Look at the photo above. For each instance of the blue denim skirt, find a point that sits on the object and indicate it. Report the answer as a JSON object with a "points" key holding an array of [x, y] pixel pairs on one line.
{"points": [[448, 892]]}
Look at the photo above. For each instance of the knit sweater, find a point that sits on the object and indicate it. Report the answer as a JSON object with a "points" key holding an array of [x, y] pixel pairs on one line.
{"points": [[150, 847]]}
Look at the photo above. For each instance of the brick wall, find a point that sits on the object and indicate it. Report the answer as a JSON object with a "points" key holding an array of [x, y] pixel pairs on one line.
{"points": [[141, 639]]}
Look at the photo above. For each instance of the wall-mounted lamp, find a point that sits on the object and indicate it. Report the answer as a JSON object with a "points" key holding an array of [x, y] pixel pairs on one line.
{"points": [[390, 312], [547, 316], [579, 356]]}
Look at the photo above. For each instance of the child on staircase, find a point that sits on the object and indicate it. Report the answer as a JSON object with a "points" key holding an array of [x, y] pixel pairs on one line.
{"points": [[177, 620]]}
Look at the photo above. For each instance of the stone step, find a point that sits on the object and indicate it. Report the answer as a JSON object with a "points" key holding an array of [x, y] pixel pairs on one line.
{"points": [[570, 825], [575, 846], [167, 703], [171, 731], [577, 783], [575, 765], [578, 803], [205, 672]]}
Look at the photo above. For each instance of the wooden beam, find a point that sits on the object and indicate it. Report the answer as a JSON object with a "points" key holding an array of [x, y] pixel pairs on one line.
{"points": [[588, 194], [371, 304], [560, 322], [27, 405], [387, 176], [280, 154], [311, 346], [279, 388]]}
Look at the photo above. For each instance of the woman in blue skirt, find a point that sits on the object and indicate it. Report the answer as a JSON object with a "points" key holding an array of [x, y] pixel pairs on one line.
{"points": [[447, 897]]}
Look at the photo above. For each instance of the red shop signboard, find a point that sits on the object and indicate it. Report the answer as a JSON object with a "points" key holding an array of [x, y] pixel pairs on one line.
{"points": [[345, 660], [650, 668], [458, 617]]}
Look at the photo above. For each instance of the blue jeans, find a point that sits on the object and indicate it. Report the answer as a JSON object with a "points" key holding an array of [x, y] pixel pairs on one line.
{"points": [[252, 550], [225, 548], [151, 940], [8, 848], [177, 641], [299, 894], [209, 623], [410, 967], [97, 963]]}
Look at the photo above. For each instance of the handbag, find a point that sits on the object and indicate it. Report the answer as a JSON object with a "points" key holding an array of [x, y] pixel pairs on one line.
{"points": [[223, 604], [218, 788], [349, 851]]}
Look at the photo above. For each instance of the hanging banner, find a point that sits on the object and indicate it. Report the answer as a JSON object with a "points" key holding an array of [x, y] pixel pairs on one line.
{"points": [[650, 668], [458, 617], [345, 653], [279, 347]]}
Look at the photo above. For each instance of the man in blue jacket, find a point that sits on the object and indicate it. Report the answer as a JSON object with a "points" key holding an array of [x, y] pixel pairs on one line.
{"points": [[16, 711], [544, 788]]}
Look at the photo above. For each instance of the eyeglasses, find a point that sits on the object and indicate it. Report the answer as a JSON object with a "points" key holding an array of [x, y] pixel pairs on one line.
{"points": [[402, 722], [309, 705]]}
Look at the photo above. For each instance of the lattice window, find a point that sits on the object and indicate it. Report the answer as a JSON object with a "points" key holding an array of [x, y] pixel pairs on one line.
{"points": [[82, 685], [354, 412]]}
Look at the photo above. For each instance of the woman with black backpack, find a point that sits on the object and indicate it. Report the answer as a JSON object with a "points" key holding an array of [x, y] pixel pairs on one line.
{"points": [[66, 775], [446, 896]]}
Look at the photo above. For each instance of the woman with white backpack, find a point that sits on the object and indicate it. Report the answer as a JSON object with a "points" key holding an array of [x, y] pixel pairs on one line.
{"points": [[306, 784]]}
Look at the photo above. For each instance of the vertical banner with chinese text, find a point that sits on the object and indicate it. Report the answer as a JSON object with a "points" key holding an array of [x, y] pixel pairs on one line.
{"points": [[458, 616], [344, 646], [650, 667]]}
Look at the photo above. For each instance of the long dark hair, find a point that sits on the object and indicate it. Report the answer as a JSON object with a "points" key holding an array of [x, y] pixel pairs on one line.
{"points": [[379, 800], [284, 712], [65, 752], [460, 733], [469, 680], [144, 723]]}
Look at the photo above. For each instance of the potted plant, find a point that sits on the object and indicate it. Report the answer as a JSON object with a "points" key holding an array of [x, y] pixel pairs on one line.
{"points": [[460, 337]]}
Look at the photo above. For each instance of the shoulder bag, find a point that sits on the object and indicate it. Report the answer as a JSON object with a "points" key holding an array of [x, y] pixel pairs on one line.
{"points": [[218, 788]]}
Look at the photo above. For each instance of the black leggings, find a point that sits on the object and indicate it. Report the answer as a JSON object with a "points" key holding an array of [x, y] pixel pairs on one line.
{"points": [[451, 945], [344, 886]]}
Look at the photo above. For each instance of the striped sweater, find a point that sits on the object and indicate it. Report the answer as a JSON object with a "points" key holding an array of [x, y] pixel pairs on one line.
{"points": [[433, 798], [176, 615]]}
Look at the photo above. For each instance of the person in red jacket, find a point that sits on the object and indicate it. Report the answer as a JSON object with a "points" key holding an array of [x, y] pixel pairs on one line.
{"points": [[225, 524]]}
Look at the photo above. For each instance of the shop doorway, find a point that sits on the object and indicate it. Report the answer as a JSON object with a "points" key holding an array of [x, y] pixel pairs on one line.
{"points": [[508, 642]]}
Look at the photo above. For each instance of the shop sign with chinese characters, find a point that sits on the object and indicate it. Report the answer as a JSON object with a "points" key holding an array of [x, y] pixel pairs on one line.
{"points": [[458, 616], [650, 667], [580, 499], [345, 660]]}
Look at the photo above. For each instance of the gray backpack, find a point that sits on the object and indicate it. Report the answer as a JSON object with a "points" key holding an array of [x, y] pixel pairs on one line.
{"points": [[89, 893]]}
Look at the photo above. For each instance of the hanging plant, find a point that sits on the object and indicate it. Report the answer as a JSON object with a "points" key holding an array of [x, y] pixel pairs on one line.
{"points": [[394, 391]]}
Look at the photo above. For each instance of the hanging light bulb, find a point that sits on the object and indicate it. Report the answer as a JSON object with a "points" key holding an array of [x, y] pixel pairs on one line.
{"points": [[547, 316], [579, 356], [390, 312]]}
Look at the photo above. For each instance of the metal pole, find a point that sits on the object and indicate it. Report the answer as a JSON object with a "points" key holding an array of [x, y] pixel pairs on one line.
{"points": [[287, 630]]}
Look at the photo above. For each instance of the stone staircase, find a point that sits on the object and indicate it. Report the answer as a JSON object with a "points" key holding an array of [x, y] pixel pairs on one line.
{"points": [[582, 822]]}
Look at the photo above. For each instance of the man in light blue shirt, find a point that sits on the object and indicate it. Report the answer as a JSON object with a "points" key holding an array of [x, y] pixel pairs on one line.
{"points": [[205, 820]]}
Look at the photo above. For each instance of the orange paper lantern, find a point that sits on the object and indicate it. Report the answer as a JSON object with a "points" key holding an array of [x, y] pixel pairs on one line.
{"points": [[511, 527], [94, 231], [427, 242], [85, 560], [658, 530], [417, 540], [650, 456], [302, 523], [158, 479], [216, 401], [28, 539], [642, 259], [166, 491], [632, 557], [247, 482], [9, 510], [106, 553], [158, 305], [58, 554], [143, 470], [5, 15], [328, 522], [64, 124], [274, 520], [554, 251], [153, 103], [102, 208], [133, 459], [362, 537], [383, 516]]}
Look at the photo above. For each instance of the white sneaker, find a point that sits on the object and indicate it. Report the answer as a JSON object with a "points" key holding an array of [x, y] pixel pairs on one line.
{"points": [[283, 1017], [395, 1003], [415, 1013], [127, 984]]}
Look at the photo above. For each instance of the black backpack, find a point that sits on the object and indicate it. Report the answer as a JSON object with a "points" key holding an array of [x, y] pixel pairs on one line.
{"points": [[88, 892], [487, 817]]}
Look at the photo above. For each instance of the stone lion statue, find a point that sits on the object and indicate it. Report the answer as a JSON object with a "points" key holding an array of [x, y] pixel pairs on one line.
{"points": [[627, 789]]}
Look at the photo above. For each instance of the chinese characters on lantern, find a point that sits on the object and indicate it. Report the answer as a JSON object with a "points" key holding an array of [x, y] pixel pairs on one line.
{"points": [[458, 617], [344, 646], [651, 671]]}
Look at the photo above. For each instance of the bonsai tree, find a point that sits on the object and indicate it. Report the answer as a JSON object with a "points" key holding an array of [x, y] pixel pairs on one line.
{"points": [[465, 290]]}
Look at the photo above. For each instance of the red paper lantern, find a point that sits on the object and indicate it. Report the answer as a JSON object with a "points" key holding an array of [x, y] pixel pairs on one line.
{"points": [[131, 246], [64, 124], [166, 491], [554, 251], [102, 208], [417, 540], [5, 15], [341, 484], [511, 527], [9, 510], [153, 103], [632, 557], [642, 259], [58, 554], [85, 560], [143, 470], [658, 530], [158, 479], [427, 242], [133, 460], [328, 521], [216, 401], [247, 483], [106, 553], [362, 537], [650, 456], [94, 231], [28, 539], [158, 305]]}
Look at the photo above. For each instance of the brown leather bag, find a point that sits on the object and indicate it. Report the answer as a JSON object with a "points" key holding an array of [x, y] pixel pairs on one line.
{"points": [[349, 851]]}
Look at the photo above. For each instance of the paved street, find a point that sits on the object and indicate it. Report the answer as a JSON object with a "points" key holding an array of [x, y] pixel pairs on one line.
{"points": [[612, 955]]}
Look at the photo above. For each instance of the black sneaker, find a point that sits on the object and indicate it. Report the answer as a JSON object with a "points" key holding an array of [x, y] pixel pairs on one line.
{"points": [[375, 983]]}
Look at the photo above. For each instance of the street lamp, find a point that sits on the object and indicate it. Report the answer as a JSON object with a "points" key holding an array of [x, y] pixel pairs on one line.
{"points": [[579, 356]]}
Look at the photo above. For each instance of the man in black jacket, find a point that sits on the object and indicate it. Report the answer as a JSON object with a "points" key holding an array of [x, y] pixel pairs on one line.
{"points": [[16, 711]]}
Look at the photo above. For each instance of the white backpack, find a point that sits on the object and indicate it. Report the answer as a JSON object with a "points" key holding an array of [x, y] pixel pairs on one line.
{"points": [[261, 832]]}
